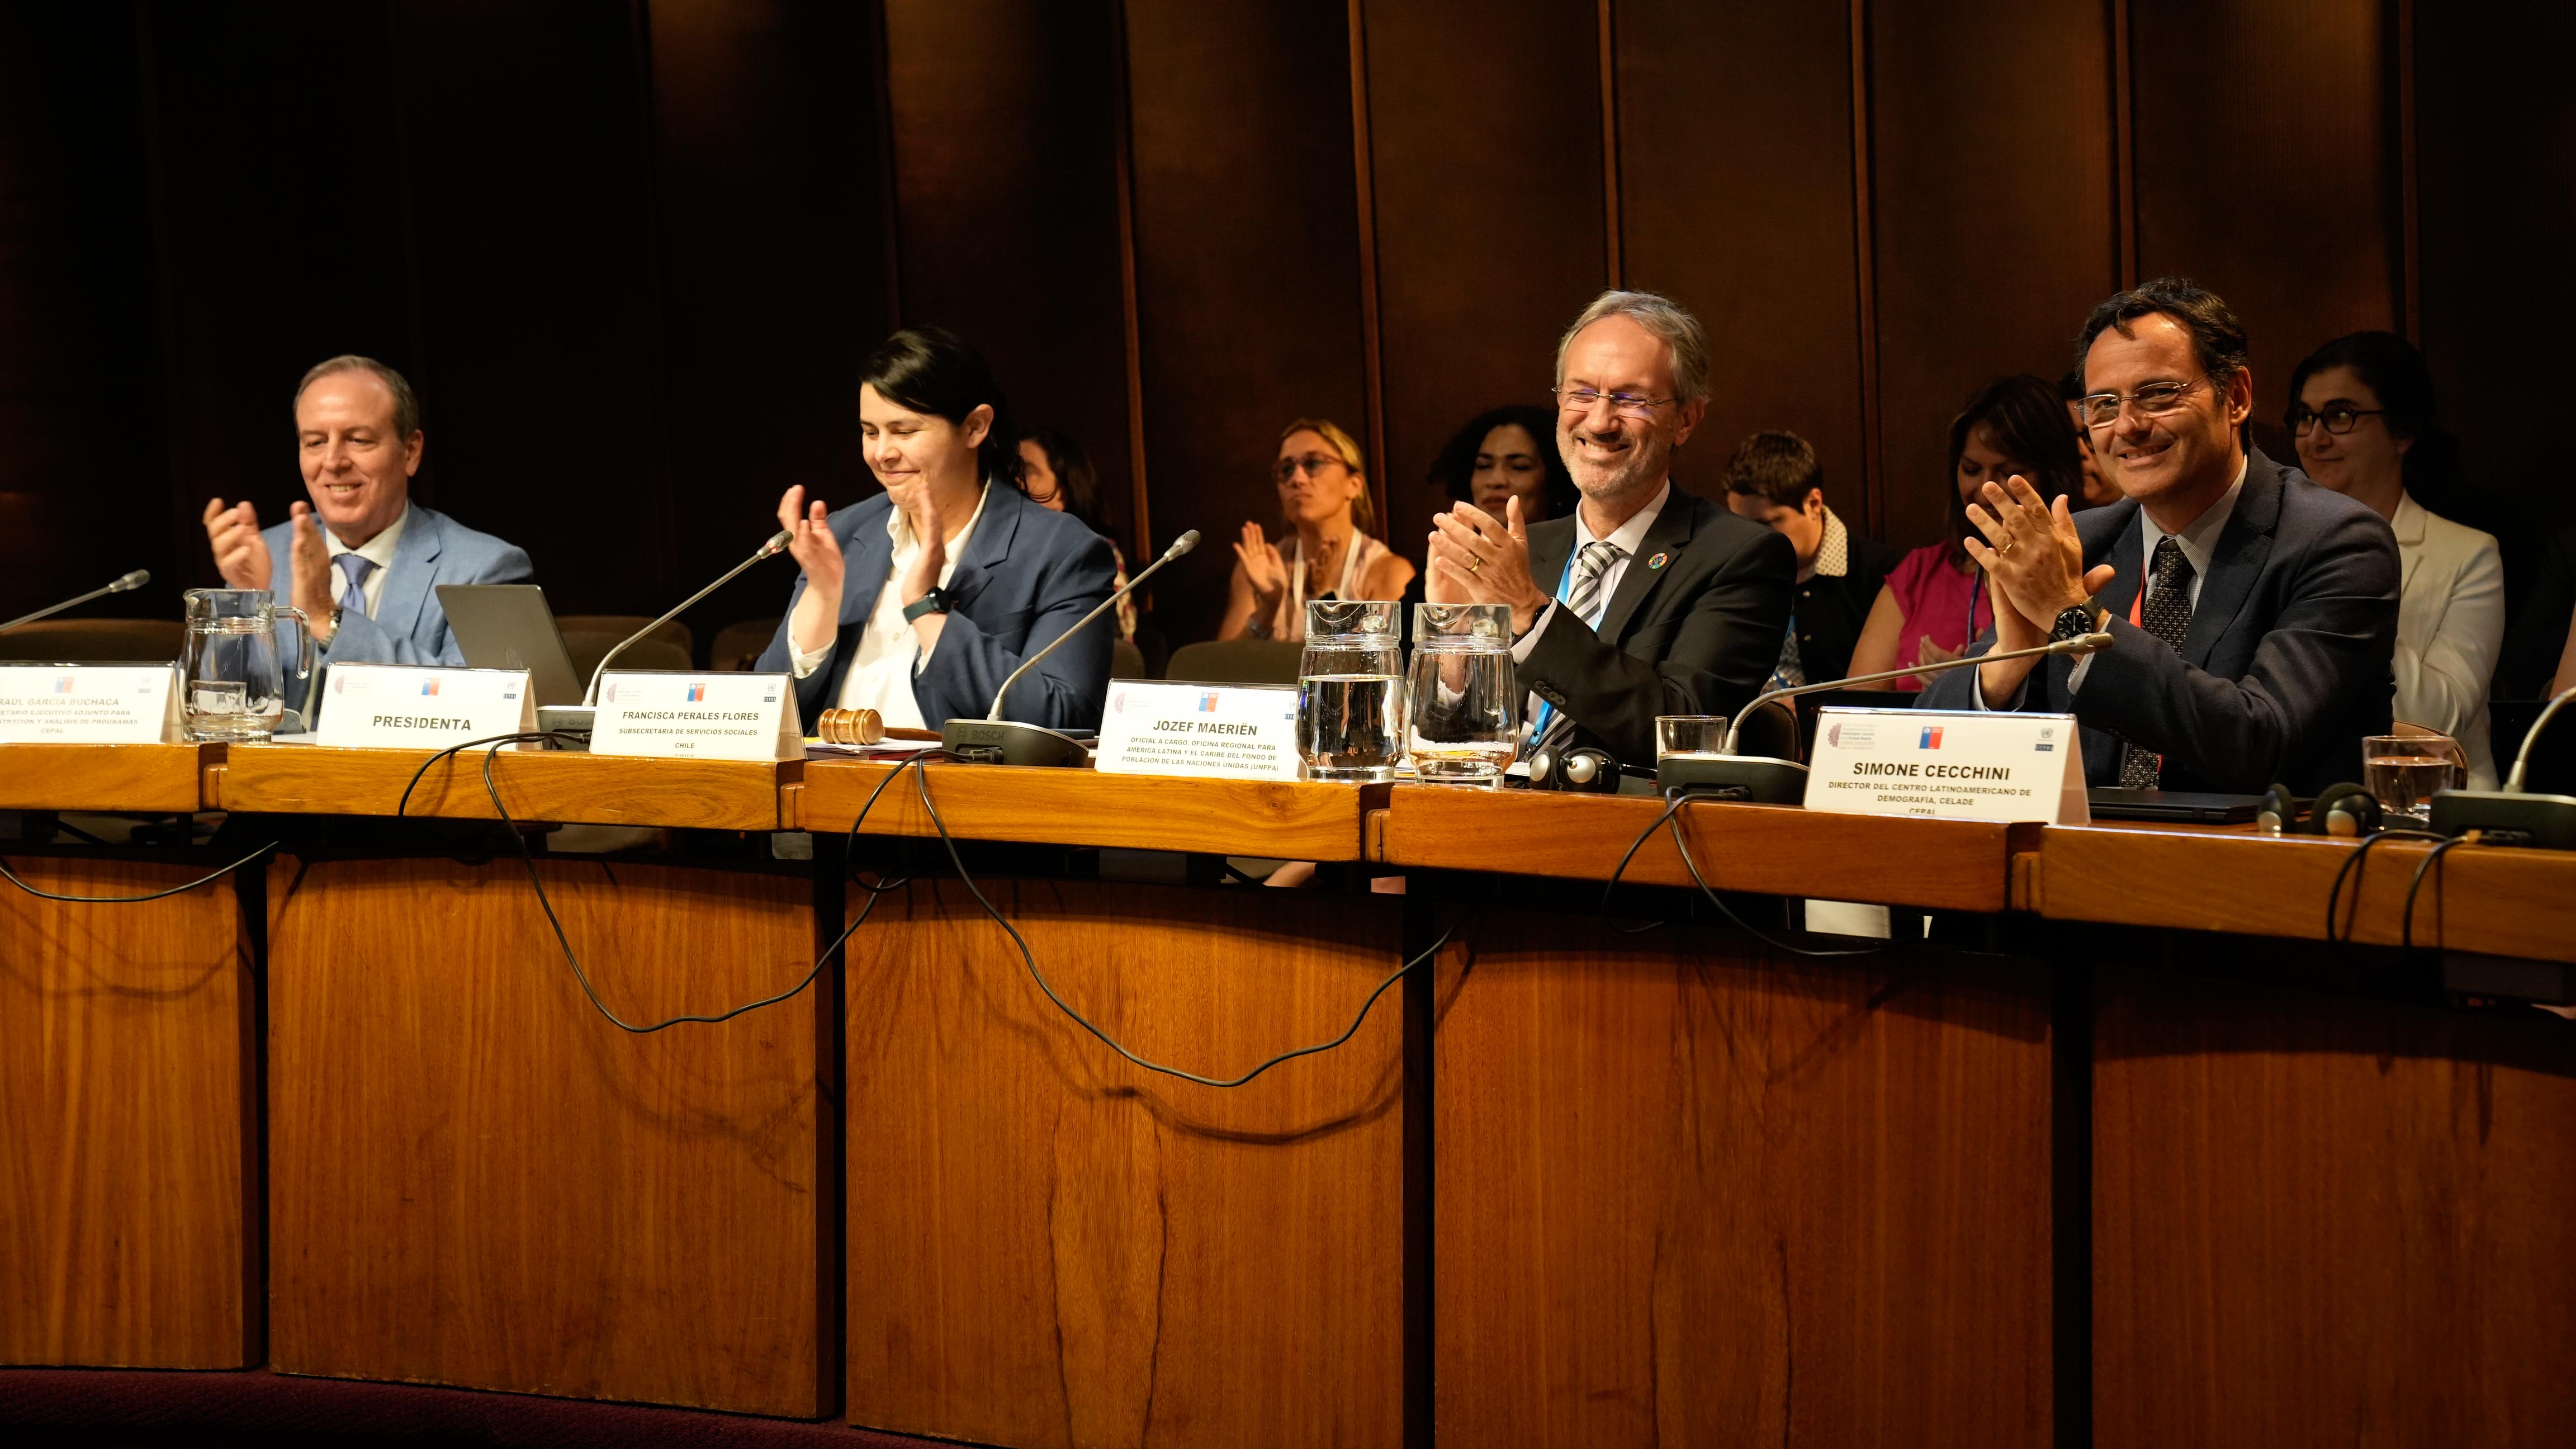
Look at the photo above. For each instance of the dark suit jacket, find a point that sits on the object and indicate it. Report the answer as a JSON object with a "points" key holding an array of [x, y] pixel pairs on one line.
{"points": [[1028, 574], [2285, 667], [1830, 611], [1696, 633]]}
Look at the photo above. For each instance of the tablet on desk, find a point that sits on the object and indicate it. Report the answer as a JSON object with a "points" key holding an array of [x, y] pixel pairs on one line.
{"points": [[2111, 802]]}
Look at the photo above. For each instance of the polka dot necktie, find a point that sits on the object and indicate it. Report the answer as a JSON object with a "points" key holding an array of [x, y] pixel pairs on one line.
{"points": [[2167, 616]]}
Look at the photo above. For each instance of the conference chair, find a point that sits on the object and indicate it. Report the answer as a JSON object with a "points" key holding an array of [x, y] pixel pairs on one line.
{"points": [[738, 647], [94, 641], [1237, 661]]}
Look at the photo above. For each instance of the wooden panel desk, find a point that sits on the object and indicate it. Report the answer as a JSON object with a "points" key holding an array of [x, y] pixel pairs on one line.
{"points": [[2323, 1219], [1690, 1189], [477, 1180], [136, 779], [128, 1226]]}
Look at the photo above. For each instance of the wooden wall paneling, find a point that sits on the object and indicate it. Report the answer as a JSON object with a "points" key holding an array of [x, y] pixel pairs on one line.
{"points": [[475, 1180], [81, 466], [2324, 1221], [282, 241], [1485, 138], [1048, 1247], [1691, 1192], [2264, 172], [1004, 116], [528, 147], [128, 1190], [2497, 150], [765, 166], [1995, 208], [1735, 136], [1248, 283]]}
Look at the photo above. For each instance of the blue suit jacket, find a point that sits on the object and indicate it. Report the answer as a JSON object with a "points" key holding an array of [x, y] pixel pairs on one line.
{"points": [[408, 626], [2285, 667], [1028, 574]]}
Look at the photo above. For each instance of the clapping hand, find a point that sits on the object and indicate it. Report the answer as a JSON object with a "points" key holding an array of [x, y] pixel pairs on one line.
{"points": [[1477, 558], [308, 570], [241, 555], [1263, 568]]}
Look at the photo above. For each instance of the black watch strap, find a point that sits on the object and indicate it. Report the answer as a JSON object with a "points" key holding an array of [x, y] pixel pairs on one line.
{"points": [[937, 601], [2077, 620]]}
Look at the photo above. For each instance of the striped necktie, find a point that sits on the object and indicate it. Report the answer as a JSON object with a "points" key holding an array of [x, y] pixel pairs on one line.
{"points": [[1583, 599]]}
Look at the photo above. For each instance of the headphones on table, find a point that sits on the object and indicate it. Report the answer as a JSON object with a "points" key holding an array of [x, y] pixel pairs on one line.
{"points": [[2346, 811], [1584, 769]]}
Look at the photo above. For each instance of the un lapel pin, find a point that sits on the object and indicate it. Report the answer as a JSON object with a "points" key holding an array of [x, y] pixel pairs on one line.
{"points": [[1658, 561]]}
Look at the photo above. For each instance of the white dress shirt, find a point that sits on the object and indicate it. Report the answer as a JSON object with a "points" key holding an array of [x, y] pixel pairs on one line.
{"points": [[890, 654], [2450, 630], [2199, 543], [1627, 538], [378, 550]]}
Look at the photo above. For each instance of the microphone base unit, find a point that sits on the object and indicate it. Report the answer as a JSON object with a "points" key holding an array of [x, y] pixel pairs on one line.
{"points": [[1753, 779], [568, 719], [1007, 742], [2550, 820]]}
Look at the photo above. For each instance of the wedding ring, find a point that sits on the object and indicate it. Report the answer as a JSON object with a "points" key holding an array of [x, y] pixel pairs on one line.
{"points": [[1475, 565], [2006, 546]]}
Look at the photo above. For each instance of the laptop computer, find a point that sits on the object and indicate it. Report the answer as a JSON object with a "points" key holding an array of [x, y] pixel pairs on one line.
{"points": [[508, 626]]}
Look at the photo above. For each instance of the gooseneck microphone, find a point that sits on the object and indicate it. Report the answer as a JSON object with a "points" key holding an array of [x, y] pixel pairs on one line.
{"points": [[127, 584], [995, 740], [2514, 814], [1768, 780], [777, 545]]}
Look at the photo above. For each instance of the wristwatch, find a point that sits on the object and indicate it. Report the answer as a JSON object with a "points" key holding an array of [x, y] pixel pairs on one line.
{"points": [[937, 601], [2077, 620]]}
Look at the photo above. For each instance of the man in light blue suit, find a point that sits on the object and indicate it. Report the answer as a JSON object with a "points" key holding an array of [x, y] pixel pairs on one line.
{"points": [[362, 560]]}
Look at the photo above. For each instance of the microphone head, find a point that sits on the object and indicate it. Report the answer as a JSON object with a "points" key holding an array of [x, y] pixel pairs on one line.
{"points": [[778, 543], [1182, 544], [134, 580]]}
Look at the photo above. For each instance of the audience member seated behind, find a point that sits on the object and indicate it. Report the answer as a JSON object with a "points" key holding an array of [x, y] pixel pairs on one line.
{"points": [[2253, 613], [1324, 502], [1774, 480], [1054, 471], [1505, 453], [2540, 651], [2097, 491], [1647, 601], [919, 602], [367, 577], [2362, 413], [1935, 600]]}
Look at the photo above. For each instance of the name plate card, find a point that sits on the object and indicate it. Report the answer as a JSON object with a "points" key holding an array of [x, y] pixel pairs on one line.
{"points": [[1205, 731], [1968, 766], [103, 704], [413, 707], [697, 717]]}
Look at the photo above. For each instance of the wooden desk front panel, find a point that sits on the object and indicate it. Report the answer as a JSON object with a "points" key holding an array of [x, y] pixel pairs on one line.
{"points": [[1048, 1247], [1291, 820], [1693, 1193], [536, 785], [141, 779], [2320, 1221], [128, 1234], [476, 1180]]}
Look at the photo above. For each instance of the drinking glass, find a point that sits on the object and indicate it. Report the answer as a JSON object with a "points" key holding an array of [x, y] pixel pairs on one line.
{"points": [[1693, 736], [232, 671], [1463, 697], [1350, 702], [2403, 771]]}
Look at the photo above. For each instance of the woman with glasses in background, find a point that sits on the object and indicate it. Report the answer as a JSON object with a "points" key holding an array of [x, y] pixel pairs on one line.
{"points": [[1327, 522], [2362, 414], [1935, 602]]}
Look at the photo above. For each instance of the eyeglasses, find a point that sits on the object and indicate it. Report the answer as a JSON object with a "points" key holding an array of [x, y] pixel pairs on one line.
{"points": [[1313, 463], [1626, 405], [2338, 418], [2102, 409]]}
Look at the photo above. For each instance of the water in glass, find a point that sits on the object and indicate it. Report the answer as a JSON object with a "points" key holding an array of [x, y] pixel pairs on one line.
{"points": [[1350, 710], [233, 673], [1463, 696]]}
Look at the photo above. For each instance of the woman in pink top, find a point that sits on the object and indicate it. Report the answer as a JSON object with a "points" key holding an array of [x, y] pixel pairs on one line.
{"points": [[1934, 603]]}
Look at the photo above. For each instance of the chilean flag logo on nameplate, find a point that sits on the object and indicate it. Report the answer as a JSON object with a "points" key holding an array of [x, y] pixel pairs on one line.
{"points": [[1931, 737], [697, 692], [429, 687], [62, 684], [1207, 703]]}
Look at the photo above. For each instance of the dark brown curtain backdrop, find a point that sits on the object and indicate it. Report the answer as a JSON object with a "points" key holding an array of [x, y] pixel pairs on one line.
{"points": [[631, 251]]}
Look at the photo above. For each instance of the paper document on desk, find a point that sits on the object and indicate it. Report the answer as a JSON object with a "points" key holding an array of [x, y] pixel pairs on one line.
{"points": [[1982, 765]]}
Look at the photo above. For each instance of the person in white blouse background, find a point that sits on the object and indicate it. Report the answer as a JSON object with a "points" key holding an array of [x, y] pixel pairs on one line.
{"points": [[2362, 411], [918, 603]]}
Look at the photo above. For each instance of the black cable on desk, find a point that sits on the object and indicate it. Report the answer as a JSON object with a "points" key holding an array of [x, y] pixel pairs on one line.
{"points": [[2406, 925], [529, 860], [1670, 820], [2352, 864], [215, 875], [921, 777]]}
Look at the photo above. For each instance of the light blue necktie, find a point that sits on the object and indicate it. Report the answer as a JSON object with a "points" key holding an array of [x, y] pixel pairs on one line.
{"points": [[354, 568]]}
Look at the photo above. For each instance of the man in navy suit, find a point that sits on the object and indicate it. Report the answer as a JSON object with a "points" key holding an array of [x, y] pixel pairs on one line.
{"points": [[2253, 613], [919, 602], [362, 560]]}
